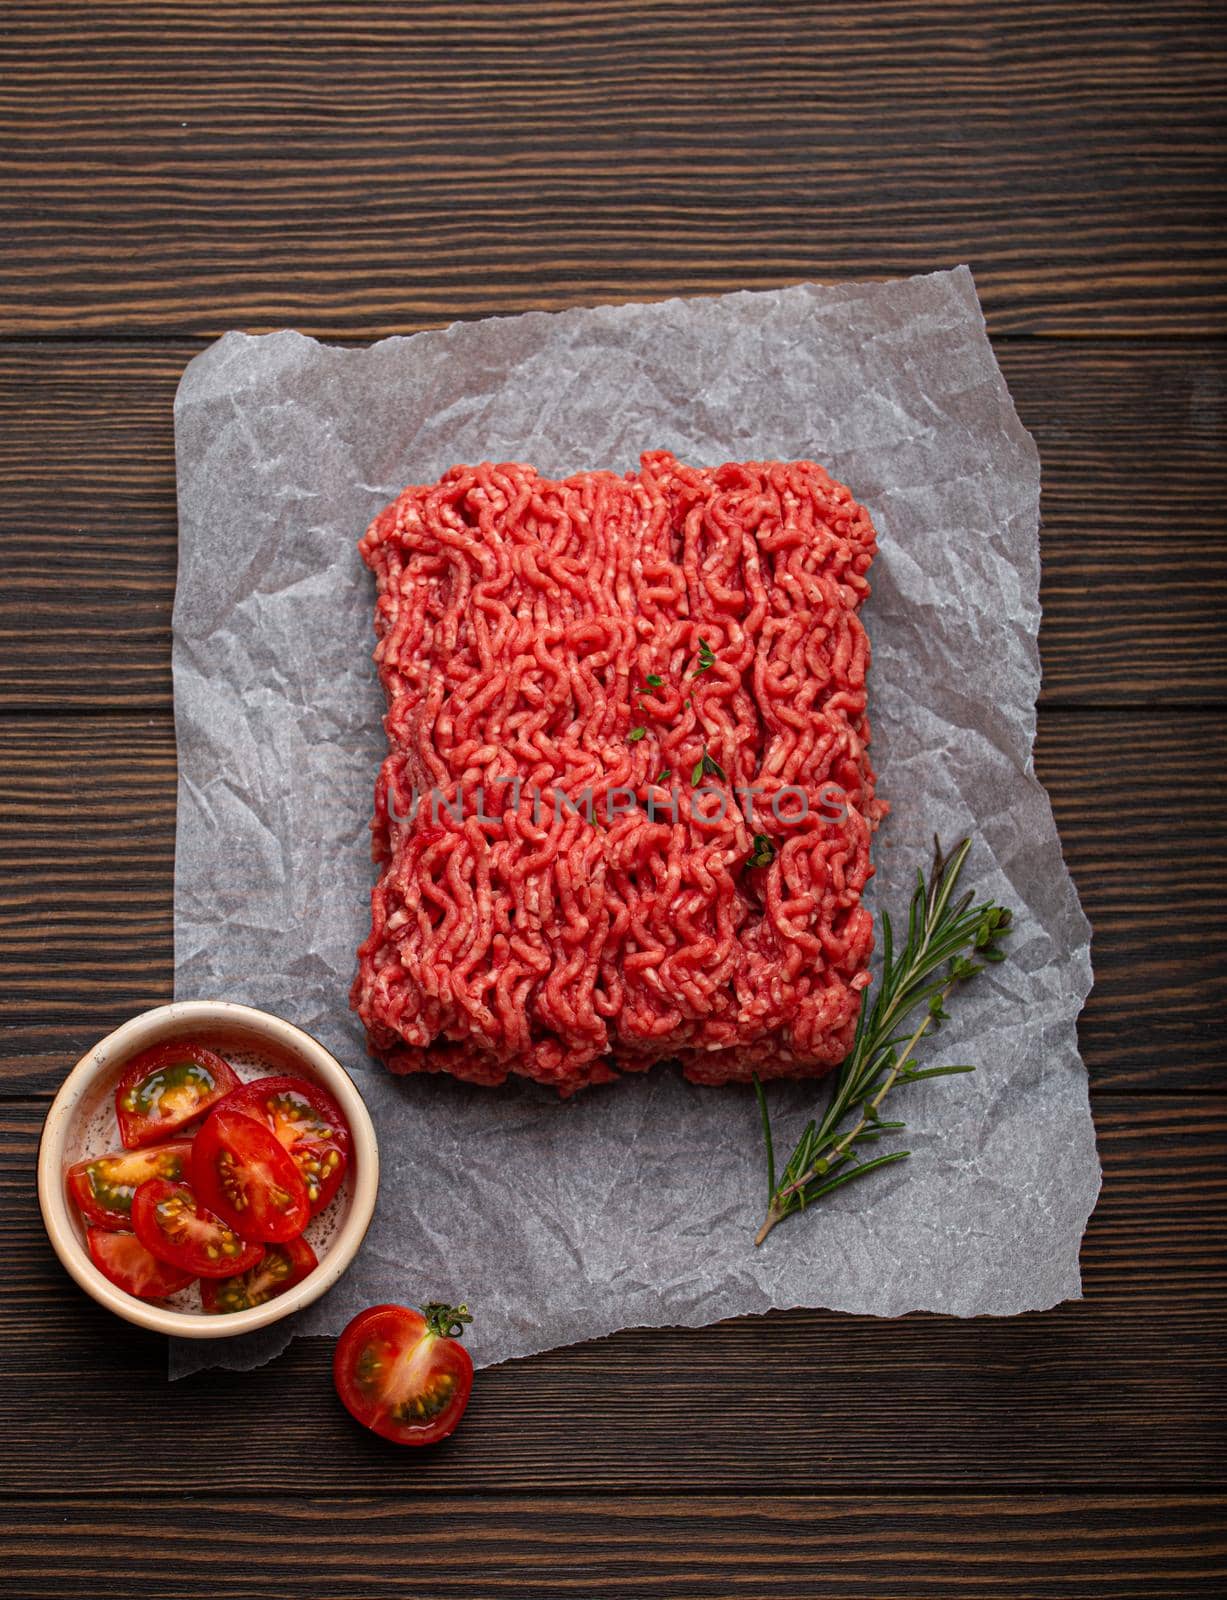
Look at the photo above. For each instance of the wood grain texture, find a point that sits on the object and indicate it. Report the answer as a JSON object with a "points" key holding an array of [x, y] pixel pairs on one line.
{"points": [[662, 1547], [1133, 444], [87, 857], [169, 169], [368, 168], [1125, 1388]]}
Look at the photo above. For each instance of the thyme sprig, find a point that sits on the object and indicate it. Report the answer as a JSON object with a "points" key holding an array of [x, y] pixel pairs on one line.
{"points": [[707, 658], [932, 962], [763, 853], [706, 766]]}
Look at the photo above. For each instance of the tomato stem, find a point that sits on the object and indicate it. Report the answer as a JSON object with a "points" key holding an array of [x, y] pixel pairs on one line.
{"points": [[444, 1321]]}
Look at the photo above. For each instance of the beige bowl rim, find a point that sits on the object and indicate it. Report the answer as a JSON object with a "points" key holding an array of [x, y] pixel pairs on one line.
{"points": [[177, 1021]]}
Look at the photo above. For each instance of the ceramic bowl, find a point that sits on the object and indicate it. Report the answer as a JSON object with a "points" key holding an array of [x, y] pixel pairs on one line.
{"points": [[225, 1028]]}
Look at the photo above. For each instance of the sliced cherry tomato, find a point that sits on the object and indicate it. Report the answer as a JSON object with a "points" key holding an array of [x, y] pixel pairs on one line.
{"points": [[244, 1175], [103, 1187], [402, 1373], [283, 1266], [124, 1259], [175, 1227], [321, 1168], [308, 1122], [168, 1086]]}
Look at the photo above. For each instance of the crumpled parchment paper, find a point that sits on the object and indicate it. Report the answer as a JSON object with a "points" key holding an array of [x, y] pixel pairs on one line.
{"points": [[636, 1203]]}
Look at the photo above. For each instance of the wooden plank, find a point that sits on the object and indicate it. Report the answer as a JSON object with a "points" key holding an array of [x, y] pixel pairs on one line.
{"points": [[1120, 1391], [368, 169], [662, 1547], [87, 854], [1134, 541], [1143, 824], [87, 838]]}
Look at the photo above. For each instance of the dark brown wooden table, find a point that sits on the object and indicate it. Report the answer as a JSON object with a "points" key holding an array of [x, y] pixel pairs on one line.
{"points": [[174, 170]]}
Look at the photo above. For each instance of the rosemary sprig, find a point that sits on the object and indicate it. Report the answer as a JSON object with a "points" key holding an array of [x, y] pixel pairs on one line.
{"points": [[931, 963]]}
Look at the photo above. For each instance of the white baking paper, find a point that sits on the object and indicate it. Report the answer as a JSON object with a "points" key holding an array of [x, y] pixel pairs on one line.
{"points": [[636, 1203]]}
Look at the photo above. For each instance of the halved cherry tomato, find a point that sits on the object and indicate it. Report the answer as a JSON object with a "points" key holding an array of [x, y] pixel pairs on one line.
{"points": [[402, 1374], [172, 1225], [244, 1175], [283, 1266], [104, 1186], [124, 1259], [168, 1086], [308, 1122]]}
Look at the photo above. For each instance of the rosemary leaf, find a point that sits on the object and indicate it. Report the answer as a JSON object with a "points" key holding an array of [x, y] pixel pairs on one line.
{"points": [[933, 1072], [855, 1172]]}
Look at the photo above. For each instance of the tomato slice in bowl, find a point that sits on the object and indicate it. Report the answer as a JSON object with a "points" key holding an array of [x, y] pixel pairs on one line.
{"points": [[248, 1178], [321, 1168], [308, 1122], [172, 1225], [283, 1266], [103, 1186], [402, 1374], [123, 1259], [168, 1086]]}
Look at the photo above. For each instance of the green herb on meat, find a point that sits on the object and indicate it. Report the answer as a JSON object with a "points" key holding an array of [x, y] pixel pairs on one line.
{"points": [[706, 658], [763, 853], [706, 766]]}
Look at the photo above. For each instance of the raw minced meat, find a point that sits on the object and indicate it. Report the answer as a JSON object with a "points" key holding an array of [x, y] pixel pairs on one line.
{"points": [[626, 809]]}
